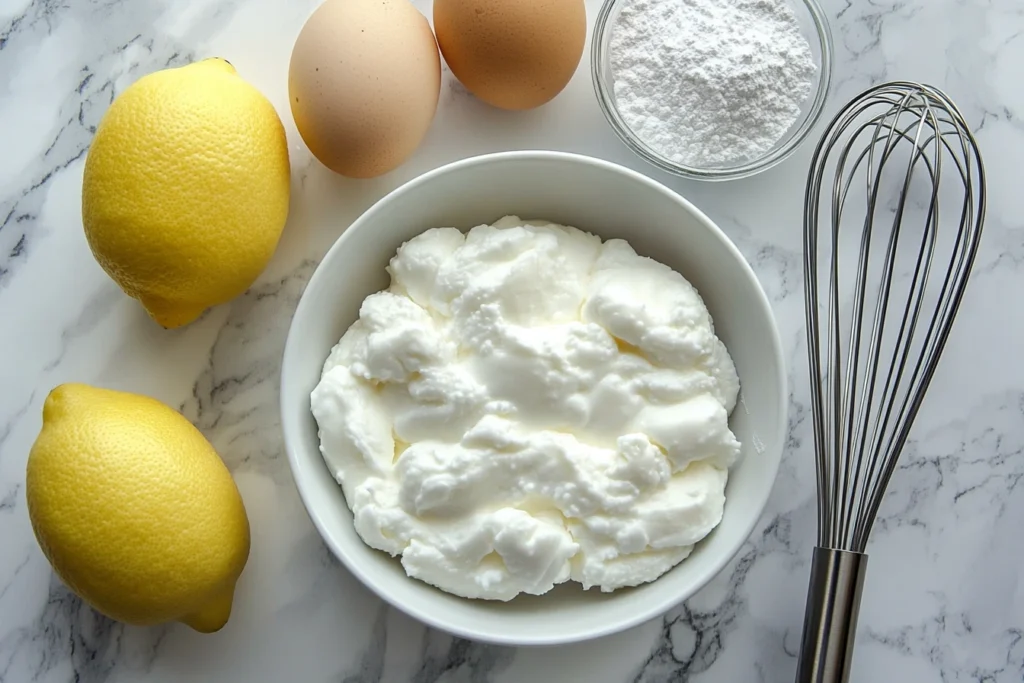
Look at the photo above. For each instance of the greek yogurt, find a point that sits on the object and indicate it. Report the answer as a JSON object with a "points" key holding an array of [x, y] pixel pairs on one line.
{"points": [[525, 406]]}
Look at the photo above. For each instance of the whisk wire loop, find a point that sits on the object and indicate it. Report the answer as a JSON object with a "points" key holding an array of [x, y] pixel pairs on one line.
{"points": [[873, 343]]}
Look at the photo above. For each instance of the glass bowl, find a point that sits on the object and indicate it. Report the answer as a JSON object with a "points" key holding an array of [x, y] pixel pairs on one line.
{"points": [[813, 24]]}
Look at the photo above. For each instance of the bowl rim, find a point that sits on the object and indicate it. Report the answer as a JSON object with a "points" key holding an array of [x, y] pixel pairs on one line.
{"points": [[606, 102], [301, 473]]}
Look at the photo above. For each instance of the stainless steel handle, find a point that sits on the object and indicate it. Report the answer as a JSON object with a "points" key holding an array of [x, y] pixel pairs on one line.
{"points": [[830, 619]]}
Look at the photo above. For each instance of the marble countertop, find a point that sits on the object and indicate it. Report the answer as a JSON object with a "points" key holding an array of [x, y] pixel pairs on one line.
{"points": [[944, 599]]}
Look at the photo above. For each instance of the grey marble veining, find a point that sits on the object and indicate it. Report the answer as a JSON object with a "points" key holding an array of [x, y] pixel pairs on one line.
{"points": [[944, 598]]}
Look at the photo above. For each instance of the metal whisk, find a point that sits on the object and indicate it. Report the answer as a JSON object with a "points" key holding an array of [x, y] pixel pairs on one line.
{"points": [[893, 269]]}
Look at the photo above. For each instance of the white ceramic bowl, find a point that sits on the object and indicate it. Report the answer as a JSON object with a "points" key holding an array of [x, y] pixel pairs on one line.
{"points": [[609, 201]]}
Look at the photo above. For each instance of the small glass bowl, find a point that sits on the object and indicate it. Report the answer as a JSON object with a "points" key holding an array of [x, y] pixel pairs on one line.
{"points": [[814, 25]]}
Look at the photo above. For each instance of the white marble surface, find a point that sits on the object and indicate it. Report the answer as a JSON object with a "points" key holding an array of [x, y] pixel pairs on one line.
{"points": [[944, 598]]}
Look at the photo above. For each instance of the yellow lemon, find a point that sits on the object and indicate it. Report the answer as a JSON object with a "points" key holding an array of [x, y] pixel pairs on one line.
{"points": [[186, 189], [135, 510]]}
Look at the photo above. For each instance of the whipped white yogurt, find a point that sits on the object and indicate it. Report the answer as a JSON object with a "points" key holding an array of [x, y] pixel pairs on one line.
{"points": [[527, 405]]}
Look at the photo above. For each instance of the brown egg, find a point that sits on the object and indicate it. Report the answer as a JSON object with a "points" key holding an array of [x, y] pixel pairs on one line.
{"points": [[363, 84], [513, 54]]}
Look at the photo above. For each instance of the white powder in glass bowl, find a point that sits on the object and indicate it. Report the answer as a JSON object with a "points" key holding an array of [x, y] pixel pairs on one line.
{"points": [[710, 82]]}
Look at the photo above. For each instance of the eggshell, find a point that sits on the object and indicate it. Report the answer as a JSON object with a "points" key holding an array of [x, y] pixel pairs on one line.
{"points": [[363, 83], [513, 54]]}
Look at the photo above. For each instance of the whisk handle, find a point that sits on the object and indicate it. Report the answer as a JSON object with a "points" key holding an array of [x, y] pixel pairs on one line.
{"points": [[830, 619]]}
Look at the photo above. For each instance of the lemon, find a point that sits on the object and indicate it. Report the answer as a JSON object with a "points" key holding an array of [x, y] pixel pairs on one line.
{"points": [[134, 509], [186, 189]]}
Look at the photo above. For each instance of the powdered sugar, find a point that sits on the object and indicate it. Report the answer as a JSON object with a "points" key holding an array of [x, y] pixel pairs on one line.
{"points": [[710, 82]]}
